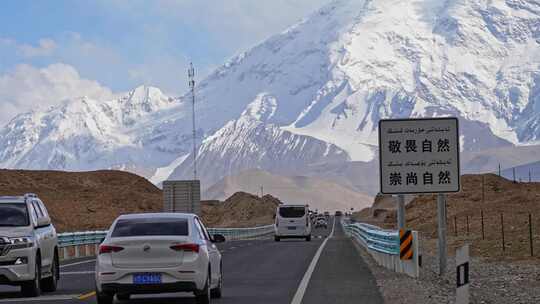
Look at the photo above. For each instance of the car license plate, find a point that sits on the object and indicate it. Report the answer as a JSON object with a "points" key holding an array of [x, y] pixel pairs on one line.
{"points": [[147, 278], [291, 227]]}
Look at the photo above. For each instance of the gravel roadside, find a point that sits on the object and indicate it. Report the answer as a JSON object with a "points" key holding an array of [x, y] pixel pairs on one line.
{"points": [[491, 282]]}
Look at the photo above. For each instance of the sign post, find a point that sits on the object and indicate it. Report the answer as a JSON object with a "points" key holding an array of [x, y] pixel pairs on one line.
{"points": [[462, 275], [420, 156]]}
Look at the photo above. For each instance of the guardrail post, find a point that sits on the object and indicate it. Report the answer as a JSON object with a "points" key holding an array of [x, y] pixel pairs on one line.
{"points": [[65, 253], [77, 253]]}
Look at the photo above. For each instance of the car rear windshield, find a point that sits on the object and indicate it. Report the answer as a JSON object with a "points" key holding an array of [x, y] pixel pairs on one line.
{"points": [[292, 211], [13, 215], [150, 227]]}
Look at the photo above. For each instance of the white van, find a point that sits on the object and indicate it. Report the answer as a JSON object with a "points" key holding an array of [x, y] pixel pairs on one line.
{"points": [[292, 221]]}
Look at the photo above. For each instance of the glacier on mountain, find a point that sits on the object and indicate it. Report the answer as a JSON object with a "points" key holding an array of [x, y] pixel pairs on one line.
{"points": [[314, 94]]}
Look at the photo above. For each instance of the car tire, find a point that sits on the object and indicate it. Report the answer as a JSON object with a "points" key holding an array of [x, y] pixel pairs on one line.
{"points": [[104, 298], [32, 289], [308, 238], [216, 293], [203, 296], [51, 284], [276, 238], [123, 297]]}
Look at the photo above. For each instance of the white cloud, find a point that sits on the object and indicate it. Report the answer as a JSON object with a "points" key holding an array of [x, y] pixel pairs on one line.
{"points": [[45, 47], [29, 88]]}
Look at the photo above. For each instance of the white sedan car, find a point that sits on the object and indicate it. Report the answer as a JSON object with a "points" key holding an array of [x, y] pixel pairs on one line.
{"points": [[158, 253]]}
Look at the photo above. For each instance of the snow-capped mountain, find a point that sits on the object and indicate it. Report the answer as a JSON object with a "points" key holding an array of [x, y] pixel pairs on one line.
{"points": [[86, 134], [252, 142], [314, 94]]}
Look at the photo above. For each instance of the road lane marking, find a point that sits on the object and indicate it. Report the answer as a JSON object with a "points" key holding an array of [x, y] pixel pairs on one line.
{"points": [[299, 295], [77, 272], [41, 299], [77, 263], [86, 295]]}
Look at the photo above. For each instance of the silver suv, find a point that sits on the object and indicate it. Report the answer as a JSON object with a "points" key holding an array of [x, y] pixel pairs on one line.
{"points": [[28, 245]]}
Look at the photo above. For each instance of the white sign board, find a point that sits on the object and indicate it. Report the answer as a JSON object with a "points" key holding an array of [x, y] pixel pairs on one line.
{"points": [[419, 155], [462, 275]]}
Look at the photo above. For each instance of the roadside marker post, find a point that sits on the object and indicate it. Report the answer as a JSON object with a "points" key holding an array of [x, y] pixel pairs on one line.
{"points": [[421, 156], [406, 250], [462, 275]]}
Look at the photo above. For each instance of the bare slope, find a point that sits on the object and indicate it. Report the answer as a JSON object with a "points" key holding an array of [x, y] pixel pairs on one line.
{"points": [[501, 196], [318, 193], [81, 201], [84, 200], [240, 210]]}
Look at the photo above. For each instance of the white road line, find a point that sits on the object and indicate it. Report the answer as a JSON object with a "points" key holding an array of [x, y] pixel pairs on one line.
{"points": [[78, 263], [42, 298], [77, 272], [299, 295]]}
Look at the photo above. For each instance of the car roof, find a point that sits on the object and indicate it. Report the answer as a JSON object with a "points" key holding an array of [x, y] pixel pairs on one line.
{"points": [[157, 215], [12, 199], [292, 205]]}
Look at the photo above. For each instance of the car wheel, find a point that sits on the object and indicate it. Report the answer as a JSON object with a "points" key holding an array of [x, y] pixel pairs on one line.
{"points": [[276, 238], [216, 292], [308, 238], [203, 296], [51, 284], [33, 288], [104, 298], [123, 297]]}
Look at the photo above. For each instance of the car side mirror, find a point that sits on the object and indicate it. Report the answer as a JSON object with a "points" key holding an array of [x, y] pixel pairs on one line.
{"points": [[218, 238]]}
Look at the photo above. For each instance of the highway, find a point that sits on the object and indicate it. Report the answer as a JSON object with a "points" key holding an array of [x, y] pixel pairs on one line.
{"points": [[325, 270]]}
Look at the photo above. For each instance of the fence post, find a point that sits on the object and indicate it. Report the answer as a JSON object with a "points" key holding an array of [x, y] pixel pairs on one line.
{"points": [[467, 225], [531, 235], [455, 225], [502, 232], [482, 216]]}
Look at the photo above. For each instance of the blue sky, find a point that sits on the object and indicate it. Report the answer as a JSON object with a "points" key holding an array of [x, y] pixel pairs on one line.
{"points": [[100, 47]]}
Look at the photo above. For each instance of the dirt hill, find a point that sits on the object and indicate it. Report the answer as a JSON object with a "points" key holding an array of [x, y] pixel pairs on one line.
{"points": [[79, 201], [84, 200], [515, 201], [240, 210]]}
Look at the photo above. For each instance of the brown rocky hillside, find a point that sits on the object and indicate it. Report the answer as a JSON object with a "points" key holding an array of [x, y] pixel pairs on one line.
{"points": [[515, 201], [79, 201]]}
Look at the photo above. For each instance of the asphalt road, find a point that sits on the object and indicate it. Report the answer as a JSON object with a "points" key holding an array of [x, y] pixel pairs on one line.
{"points": [[255, 272]]}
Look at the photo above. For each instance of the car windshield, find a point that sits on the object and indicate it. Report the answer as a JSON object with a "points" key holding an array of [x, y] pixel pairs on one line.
{"points": [[150, 227], [14, 215], [292, 211]]}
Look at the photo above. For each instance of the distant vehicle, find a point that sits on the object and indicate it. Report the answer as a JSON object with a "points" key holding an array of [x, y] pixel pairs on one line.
{"points": [[327, 214], [338, 213], [28, 246], [158, 253], [321, 222], [292, 221]]}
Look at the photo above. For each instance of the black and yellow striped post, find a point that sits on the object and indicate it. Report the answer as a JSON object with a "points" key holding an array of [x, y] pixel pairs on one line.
{"points": [[405, 244]]}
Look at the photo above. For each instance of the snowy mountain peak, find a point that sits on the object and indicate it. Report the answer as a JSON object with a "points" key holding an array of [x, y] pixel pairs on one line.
{"points": [[262, 108]]}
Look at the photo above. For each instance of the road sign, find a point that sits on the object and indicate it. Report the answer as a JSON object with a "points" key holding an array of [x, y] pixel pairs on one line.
{"points": [[419, 155], [462, 274], [405, 244]]}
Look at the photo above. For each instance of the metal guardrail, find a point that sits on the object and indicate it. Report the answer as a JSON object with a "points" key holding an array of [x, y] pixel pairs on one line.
{"points": [[80, 238], [243, 233], [94, 237], [373, 237]]}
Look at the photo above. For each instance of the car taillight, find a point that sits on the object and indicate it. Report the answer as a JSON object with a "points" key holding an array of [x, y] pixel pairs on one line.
{"points": [[186, 247], [109, 249]]}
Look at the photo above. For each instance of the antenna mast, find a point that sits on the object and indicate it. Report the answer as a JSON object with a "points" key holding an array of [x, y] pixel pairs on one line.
{"points": [[191, 76]]}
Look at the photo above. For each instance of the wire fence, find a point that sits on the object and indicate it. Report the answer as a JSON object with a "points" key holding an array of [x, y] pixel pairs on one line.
{"points": [[498, 233]]}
